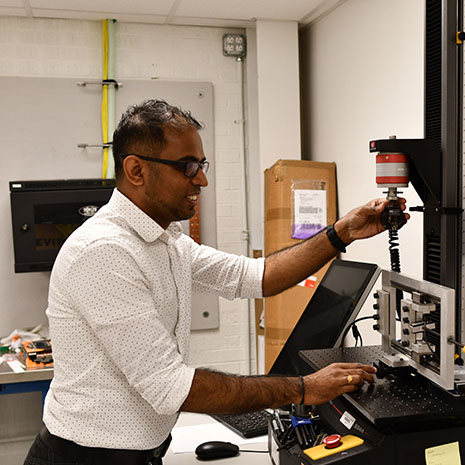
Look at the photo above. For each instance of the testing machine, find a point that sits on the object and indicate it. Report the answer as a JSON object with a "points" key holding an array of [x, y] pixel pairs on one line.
{"points": [[419, 400]]}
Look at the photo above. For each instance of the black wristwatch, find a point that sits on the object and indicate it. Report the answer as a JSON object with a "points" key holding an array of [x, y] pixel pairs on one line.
{"points": [[335, 239]]}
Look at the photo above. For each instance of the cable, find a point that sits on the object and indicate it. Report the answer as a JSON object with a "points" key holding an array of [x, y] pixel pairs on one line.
{"points": [[104, 107], [394, 254], [353, 323], [335, 408], [394, 250], [257, 451], [356, 334], [435, 356]]}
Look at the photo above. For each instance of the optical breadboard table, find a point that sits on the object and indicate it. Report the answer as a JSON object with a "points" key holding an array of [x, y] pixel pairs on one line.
{"points": [[396, 399]]}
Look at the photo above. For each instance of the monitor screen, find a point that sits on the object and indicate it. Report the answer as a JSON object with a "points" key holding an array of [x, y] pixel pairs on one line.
{"points": [[332, 308]]}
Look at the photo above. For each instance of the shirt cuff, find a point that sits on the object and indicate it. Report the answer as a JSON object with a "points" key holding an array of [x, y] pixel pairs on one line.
{"points": [[168, 399], [252, 283]]}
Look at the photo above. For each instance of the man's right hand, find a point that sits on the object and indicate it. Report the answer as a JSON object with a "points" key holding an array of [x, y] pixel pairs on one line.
{"points": [[334, 380]]}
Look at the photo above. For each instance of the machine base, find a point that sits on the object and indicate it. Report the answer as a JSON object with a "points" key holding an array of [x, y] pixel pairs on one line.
{"points": [[397, 418]]}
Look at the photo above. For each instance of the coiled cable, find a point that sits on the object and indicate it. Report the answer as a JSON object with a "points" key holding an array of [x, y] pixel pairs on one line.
{"points": [[395, 263], [394, 250]]}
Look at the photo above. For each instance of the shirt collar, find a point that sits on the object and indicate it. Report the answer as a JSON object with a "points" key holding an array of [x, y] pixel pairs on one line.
{"points": [[138, 220]]}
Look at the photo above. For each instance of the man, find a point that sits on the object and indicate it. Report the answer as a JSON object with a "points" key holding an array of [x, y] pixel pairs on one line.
{"points": [[119, 306]]}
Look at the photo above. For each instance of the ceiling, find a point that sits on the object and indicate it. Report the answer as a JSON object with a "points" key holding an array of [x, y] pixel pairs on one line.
{"points": [[222, 13]]}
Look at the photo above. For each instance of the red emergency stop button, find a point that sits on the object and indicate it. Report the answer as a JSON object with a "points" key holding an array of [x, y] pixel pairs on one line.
{"points": [[332, 441]]}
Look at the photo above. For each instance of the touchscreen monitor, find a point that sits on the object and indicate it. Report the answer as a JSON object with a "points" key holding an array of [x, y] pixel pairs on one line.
{"points": [[334, 306]]}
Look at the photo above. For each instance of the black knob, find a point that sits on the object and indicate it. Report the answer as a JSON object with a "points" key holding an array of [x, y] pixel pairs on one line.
{"points": [[376, 295], [376, 327], [405, 331], [405, 320], [405, 343], [376, 317], [405, 308], [376, 306]]}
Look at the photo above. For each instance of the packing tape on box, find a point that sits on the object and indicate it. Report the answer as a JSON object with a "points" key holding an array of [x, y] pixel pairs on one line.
{"points": [[277, 335], [278, 214]]}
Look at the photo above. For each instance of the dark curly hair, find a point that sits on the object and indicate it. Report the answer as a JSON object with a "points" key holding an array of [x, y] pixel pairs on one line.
{"points": [[143, 125]]}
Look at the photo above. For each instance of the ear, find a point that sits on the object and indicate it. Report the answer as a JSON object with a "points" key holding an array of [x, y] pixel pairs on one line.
{"points": [[133, 169]]}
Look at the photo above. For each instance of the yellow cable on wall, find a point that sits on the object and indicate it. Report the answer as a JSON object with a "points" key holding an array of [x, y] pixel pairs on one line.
{"points": [[105, 98]]}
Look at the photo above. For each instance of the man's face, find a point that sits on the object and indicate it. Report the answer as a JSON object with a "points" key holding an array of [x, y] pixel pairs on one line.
{"points": [[169, 195]]}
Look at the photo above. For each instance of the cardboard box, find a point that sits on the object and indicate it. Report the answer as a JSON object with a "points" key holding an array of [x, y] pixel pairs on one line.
{"points": [[291, 184], [259, 326]]}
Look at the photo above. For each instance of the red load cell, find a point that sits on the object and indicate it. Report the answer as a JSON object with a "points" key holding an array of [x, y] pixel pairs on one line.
{"points": [[392, 170]]}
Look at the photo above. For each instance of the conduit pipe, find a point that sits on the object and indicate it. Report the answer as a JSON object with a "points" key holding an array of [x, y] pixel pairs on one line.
{"points": [[108, 95], [111, 94], [245, 213]]}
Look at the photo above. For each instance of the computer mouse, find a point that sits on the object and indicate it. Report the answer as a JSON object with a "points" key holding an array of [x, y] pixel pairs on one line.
{"points": [[213, 450]]}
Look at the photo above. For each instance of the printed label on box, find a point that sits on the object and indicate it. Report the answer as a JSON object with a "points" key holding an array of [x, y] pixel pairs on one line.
{"points": [[309, 213], [309, 282]]}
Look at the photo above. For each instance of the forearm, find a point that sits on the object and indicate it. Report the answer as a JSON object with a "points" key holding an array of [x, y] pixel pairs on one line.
{"points": [[213, 392], [290, 266]]}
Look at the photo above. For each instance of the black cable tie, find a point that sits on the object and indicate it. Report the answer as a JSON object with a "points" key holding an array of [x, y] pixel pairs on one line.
{"points": [[110, 82]]}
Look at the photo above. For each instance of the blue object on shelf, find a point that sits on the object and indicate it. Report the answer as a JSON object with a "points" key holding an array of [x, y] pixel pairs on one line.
{"points": [[28, 386]]}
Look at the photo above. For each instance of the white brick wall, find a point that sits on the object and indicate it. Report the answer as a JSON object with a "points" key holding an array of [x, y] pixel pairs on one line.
{"points": [[69, 48]]}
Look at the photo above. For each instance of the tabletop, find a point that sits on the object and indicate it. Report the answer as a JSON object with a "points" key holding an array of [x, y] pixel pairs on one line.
{"points": [[199, 421]]}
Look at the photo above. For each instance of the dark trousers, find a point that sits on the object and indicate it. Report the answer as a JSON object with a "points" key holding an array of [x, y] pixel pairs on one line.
{"points": [[48, 449]]}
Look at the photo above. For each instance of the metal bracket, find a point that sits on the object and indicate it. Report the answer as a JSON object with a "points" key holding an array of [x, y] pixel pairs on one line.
{"points": [[441, 295], [103, 146], [437, 210], [104, 82]]}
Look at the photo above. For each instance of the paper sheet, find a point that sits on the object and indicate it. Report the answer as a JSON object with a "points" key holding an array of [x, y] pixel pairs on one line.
{"points": [[16, 366], [309, 213], [187, 438], [447, 454]]}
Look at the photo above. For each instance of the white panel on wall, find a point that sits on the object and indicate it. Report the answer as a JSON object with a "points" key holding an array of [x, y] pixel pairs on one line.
{"points": [[41, 142], [196, 97]]}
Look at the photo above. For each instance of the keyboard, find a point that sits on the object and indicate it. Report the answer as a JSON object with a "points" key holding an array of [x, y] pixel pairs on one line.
{"points": [[247, 425]]}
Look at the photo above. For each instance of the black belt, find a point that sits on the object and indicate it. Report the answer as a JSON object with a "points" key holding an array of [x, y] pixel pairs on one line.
{"points": [[101, 456]]}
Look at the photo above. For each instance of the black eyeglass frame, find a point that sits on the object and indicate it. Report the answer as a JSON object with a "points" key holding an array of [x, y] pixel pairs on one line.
{"points": [[203, 165]]}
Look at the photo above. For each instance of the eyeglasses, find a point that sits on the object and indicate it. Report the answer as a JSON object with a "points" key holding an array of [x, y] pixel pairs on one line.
{"points": [[190, 168]]}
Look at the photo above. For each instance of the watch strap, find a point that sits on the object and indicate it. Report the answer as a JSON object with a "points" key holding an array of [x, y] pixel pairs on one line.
{"points": [[335, 239]]}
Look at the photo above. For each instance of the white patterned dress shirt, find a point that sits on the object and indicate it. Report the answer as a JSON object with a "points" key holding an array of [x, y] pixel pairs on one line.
{"points": [[120, 314]]}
